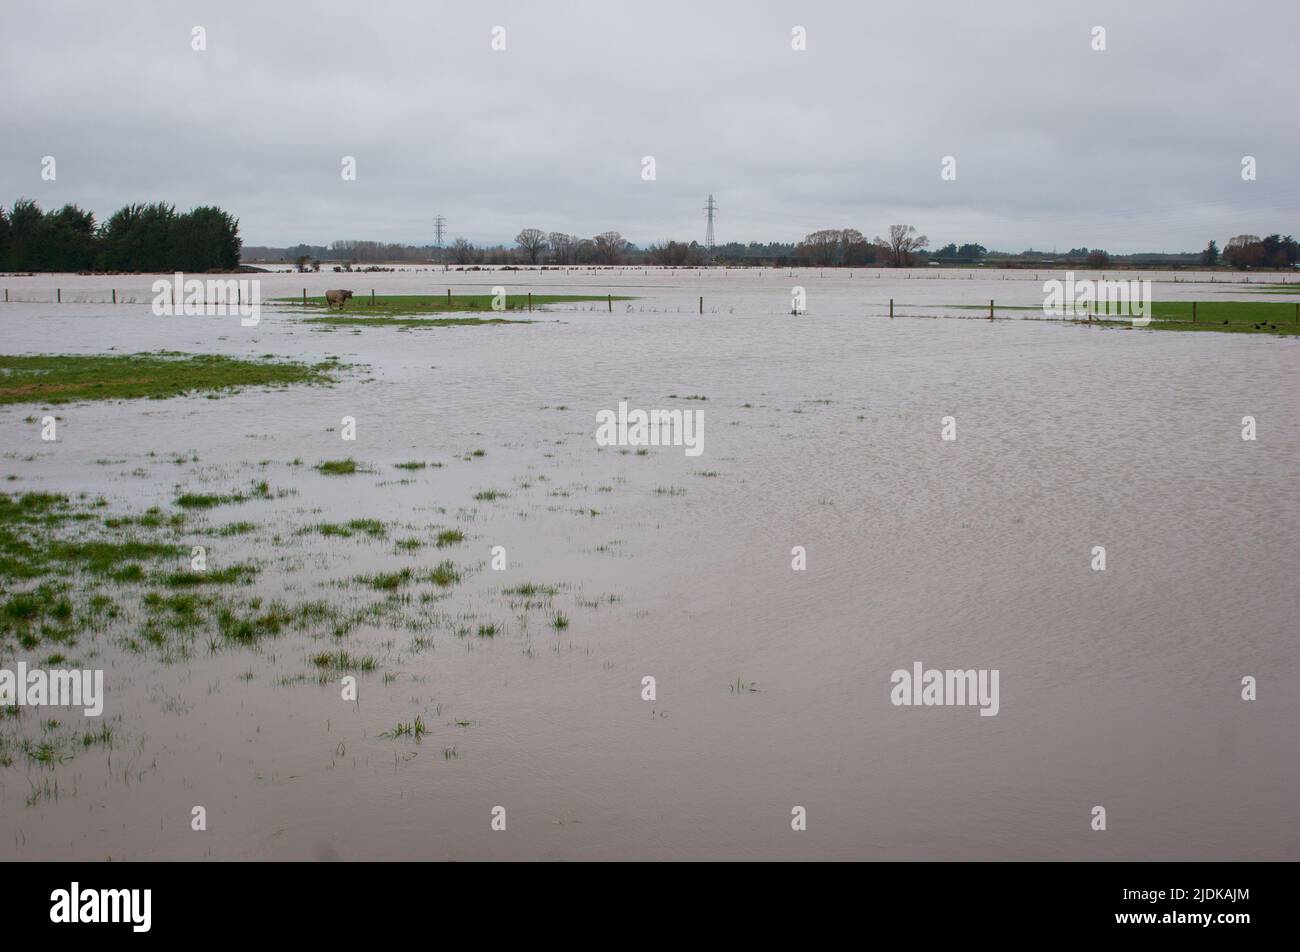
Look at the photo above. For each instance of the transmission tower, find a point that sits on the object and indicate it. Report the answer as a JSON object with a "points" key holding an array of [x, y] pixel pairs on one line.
{"points": [[709, 207], [438, 223]]}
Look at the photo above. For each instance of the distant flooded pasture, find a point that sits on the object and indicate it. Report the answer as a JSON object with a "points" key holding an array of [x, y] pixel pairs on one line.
{"points": [[500, 584]]}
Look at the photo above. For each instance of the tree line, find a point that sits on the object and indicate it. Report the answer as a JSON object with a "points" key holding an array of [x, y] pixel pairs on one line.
{"points": [[1250, 251], [901, 247], [138, 237]]}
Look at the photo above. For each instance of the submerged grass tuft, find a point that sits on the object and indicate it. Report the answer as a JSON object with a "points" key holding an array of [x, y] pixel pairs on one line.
{"points": [[342, 661], [415, 729], [338, 467], [449, 537]]}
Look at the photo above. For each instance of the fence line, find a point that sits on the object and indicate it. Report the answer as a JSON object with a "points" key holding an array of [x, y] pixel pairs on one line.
{"points": [[1089, 317]]}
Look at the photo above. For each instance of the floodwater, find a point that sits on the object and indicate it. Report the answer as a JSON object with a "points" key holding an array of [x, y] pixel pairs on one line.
{"points": [[1118, 688]]}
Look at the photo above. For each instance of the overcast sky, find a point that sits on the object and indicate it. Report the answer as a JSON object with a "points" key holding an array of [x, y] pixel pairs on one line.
{"points": [[1138, 147]]}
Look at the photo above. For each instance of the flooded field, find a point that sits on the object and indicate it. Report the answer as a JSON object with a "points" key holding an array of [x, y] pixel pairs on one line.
{"points": [[480, 687]]}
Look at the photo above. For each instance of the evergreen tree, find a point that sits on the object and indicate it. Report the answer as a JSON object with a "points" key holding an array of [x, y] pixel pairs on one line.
{"points": [[27, 236], [70, 234]]}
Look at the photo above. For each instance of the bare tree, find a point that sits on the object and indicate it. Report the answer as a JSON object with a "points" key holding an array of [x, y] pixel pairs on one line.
{"points": [[902, 245], [531, 241], [609, 246], [561, 247], [462, 252]]}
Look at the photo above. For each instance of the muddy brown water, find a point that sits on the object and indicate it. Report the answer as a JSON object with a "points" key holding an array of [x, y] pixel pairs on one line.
{"points": [[1119, 688]]}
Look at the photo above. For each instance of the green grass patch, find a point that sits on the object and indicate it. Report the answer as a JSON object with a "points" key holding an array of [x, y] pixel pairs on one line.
{"points": [[387, 581], [180, 612], [1236, 317], [444, 574], [64, 378], [230, 575], [533, 590], [207, 500], [103, 557], [338, 467], [449, 537], [236, 528], [131, 572], [342, 661], [353, 527], [151, 518], [54, 564], [406, 305], [255, 624]]}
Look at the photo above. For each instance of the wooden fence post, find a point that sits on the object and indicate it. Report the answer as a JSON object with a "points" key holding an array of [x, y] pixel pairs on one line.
{"points": [[114, 295], [610, 302], [701, 303], [891, 309]]}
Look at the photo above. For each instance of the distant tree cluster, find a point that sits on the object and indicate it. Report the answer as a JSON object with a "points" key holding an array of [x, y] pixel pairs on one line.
{"points": [[1251, 251], [836, 247], [960, 253], [148, 238], [675, 254], [368, 252], [848, 247], [534, 246], [538, 247], [775, 253], [1093, 257]]}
